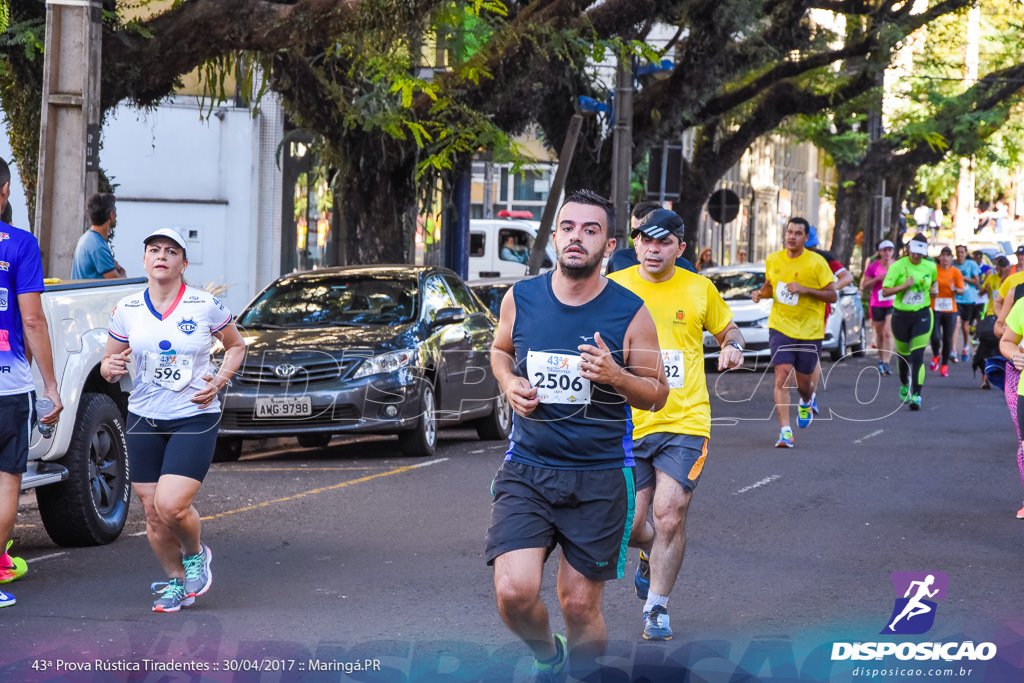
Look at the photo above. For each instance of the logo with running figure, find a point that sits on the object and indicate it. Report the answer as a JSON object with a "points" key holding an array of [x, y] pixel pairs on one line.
{"points": [[167, 353], [916, 592]]}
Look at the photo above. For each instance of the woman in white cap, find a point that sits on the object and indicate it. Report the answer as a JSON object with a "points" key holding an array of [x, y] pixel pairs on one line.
{"points": [[167, 331], [881, 306], [912, 281]]}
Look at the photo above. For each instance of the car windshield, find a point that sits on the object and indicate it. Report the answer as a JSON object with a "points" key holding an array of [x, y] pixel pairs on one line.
{"points": [[491, 296], [737, 284], [357, 300]]}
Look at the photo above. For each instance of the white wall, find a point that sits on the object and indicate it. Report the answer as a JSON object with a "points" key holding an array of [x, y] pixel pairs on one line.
{"points": [[17, 198], [173, 168]]}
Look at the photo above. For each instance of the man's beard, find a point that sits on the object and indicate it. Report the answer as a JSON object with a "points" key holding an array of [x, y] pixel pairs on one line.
{"points": [[582, 271]]}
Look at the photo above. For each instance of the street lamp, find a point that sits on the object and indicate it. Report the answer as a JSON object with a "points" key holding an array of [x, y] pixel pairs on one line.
{"points": [[588, 105], [660, 70]]}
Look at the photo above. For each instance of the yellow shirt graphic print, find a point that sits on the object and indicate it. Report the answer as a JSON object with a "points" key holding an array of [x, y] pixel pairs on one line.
{"points": [[682, 308]]}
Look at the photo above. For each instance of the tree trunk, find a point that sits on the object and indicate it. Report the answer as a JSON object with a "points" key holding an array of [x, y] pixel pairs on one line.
{"points": [[376, 214], [853, 201], [695, 186]]}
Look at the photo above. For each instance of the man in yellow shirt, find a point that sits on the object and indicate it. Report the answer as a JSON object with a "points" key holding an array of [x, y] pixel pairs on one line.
{"points": [[802, 284], [670, 446]]}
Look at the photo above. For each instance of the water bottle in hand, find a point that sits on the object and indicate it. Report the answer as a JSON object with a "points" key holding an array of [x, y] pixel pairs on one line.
{"points": [[44, 406]]}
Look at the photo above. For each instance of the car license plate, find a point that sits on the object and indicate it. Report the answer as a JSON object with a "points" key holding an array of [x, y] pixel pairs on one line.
{"points": [[293, 406]]}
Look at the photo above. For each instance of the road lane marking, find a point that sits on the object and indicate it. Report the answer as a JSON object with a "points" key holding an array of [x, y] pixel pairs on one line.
{"points": [[869, 436], [763, 482], [298, 469], [323, 489], [45, 557]]}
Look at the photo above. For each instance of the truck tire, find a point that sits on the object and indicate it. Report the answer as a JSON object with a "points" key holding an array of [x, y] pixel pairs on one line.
{"points": [[91, 506], [422, 439]]}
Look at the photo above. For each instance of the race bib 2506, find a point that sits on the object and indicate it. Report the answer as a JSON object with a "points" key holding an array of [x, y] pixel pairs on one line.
{"points": [[557, 378]]}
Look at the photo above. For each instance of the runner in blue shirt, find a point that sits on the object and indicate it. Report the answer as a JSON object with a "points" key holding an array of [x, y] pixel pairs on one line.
{"points": [[23, 336], [573, 351], [967, 303]]}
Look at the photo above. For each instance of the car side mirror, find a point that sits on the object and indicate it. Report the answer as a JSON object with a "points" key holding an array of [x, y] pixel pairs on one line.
{"points": [[448, 316]]}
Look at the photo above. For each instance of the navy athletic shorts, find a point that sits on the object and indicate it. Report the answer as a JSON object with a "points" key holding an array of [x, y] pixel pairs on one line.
{"points": [[15, 432], [588, 512], [184, 446], [802, 354]]}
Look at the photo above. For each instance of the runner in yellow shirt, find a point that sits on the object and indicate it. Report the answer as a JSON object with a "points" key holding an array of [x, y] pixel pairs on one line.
{"points": [[670, 446], [802, 284]]}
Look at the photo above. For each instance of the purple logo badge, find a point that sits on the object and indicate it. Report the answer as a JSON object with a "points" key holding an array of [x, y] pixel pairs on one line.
{"points": [[916, 592]]}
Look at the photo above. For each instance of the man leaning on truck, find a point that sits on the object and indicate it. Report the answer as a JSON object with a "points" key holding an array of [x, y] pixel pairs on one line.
{"points": [[21, 323], [93, 258]]}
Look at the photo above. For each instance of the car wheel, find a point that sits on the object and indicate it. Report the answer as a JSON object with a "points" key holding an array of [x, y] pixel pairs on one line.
{"points": [[421, 441], [227, 450], [313, 440], [91, 506], [840, 349], [498, 425], [858, 348]]}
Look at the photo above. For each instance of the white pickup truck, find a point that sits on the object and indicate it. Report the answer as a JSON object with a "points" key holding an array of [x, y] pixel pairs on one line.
{"points": [[500, 248], [81, 473]]}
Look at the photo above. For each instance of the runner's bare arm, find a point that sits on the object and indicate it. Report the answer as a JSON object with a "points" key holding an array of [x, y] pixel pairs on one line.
{"points": [[896, 289], [234, 352], [730, 358], [115, 360], [642, 381], [1009, 346], [521, 395], [828, 293], [37, 339], [765, 292]]}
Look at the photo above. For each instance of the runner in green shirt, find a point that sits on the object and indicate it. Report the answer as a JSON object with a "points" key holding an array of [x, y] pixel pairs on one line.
{"points": [[912, 280]]}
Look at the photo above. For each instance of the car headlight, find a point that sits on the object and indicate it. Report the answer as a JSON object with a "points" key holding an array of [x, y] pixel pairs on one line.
{"points": [[386, 362], [763, 322]]}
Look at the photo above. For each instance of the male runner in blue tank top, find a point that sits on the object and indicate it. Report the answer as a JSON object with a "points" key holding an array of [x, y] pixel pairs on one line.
{"points": [[573, 351]]}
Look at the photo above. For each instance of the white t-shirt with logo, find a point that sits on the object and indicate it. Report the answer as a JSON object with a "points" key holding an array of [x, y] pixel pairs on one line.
{"points": [[171, 352]]}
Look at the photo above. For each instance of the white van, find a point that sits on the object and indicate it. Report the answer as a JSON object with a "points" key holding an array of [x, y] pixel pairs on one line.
{"points": [[500, 247]]}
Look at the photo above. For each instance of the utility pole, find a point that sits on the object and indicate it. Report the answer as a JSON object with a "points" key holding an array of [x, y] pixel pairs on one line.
{"points": [[547, 218], [963, 224], [622, 148], [70, 129]]}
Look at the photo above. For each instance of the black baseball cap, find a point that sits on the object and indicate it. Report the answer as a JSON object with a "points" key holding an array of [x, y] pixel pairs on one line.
{"points": [[659, 223]]}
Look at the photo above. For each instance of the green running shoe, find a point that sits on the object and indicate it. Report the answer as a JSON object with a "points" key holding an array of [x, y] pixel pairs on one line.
{"points": [[172, 596], [198, 577], [550, 672]]}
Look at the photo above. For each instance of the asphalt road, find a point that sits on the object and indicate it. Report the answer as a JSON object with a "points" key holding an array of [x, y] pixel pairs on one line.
{"points": [[353, 555]]}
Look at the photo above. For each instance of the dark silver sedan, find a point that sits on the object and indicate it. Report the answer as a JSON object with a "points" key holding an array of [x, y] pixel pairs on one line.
{"points": [[375, 349]]}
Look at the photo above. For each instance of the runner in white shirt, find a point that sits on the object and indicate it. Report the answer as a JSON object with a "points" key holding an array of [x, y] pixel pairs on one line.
{"points": [[167, 331]]}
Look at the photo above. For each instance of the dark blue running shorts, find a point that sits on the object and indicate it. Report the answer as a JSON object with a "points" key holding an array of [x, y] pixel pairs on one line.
{"points": [[588, 512], [802, 354], [15, 431], [183, 446]]}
